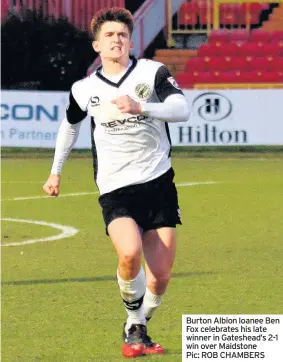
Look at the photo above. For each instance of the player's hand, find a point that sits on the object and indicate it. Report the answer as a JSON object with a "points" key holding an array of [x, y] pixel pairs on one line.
{"points": [[52, 185], [125, 104]]}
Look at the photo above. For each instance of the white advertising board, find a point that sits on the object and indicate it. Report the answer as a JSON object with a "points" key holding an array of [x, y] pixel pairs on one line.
{"points": [[218, 118], [32, 119], [231, 117]]}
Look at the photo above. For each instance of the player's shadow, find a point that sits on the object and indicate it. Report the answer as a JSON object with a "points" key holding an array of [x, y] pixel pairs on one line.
{"points": [[104, 278]]}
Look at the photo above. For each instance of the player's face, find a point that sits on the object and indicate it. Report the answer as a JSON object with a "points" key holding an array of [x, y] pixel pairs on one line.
{"points": [[113, 41]]}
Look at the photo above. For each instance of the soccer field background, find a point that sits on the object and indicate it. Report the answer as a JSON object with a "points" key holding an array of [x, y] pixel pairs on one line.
{"points": [[60, 299]]}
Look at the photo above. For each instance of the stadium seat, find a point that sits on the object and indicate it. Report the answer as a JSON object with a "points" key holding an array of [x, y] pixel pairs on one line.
{"points": [[274, 48], [207, 50], [229, 77], [239, 35], [232, 49], [260, 76], [221, 64], [198, 64], [187, 79], [255, 49], [205, 11], [260, 35], [229, 14], [254, 8], [216, 77], [268, 77], [234, 77], [277, 35], [243, 63], [207, 77], [245, 76], [250, 10], [277, 64], [219, 36], [229, 62], [188, 14], [264, 63]]}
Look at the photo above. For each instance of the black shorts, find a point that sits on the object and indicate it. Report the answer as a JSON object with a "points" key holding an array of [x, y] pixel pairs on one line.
{"points": [[152, 205]]}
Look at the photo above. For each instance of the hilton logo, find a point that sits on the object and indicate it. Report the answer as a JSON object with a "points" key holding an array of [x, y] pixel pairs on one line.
{"points": [[209, 108], [212, 106]]}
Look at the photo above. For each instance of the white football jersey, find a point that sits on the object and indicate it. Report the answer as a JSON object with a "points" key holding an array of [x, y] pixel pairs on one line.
{"points": [[127, 149]]}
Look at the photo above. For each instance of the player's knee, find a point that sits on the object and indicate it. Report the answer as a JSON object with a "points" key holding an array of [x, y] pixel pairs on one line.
{"points": [[128, 260]]}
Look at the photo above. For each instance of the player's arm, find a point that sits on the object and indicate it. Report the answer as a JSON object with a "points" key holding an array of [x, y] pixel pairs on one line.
{"points": [[172, 107], [66, 138]]}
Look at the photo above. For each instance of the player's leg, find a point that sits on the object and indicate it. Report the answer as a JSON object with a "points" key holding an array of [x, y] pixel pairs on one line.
{"points": [[159, 244], [126, 238], [159, 251]]}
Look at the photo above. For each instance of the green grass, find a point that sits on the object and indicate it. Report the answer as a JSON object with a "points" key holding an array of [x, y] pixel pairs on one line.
{"points": [[60, 300], [179, 151]]}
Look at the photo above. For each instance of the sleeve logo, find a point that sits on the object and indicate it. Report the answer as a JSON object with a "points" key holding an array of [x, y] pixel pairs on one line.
{"points": [[173, 82], [94, 101]]}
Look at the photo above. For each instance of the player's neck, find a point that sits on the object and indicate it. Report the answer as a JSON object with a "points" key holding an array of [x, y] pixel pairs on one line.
{"points": [[112, 67]]}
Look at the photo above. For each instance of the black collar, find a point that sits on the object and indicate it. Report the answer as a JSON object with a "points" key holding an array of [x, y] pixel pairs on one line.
{"points": [[125, 76]]}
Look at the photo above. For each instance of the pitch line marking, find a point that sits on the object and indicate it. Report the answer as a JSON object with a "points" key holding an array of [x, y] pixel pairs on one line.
{"points": [[196, 183], [49, 197], [96, 192], [67, 231], [22, 182]]}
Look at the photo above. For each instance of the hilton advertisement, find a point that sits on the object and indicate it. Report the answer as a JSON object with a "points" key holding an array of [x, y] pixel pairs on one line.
{"points": [[235, 117]]}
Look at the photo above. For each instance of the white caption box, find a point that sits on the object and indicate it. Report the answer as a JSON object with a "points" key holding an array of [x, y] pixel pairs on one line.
{"points": [[219, 338]]}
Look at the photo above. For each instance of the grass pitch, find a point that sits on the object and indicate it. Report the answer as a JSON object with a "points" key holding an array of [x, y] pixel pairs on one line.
{"points": [[60, 299]]}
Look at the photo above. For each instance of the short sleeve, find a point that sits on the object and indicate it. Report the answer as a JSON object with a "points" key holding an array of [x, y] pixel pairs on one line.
{"points": [[165, 84], [74, 113]]}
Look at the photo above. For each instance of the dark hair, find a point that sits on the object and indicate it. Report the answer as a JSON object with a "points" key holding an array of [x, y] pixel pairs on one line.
{"points": [[119, 15]]}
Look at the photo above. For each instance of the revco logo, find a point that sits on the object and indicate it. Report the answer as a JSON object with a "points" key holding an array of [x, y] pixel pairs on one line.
{"points": [[29, 112], [212, 106]]}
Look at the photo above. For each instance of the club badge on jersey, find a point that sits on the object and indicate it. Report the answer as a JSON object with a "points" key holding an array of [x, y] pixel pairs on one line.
{"points": [[143, 91]]}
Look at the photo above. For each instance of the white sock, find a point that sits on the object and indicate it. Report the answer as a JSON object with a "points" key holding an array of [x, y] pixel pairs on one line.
{"points": [[132, 293], [151, 303]]}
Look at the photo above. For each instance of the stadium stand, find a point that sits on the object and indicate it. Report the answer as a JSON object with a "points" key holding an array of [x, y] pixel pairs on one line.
{"points": [[251, 58], [240, 48], [234, 14], [233, 41]]}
